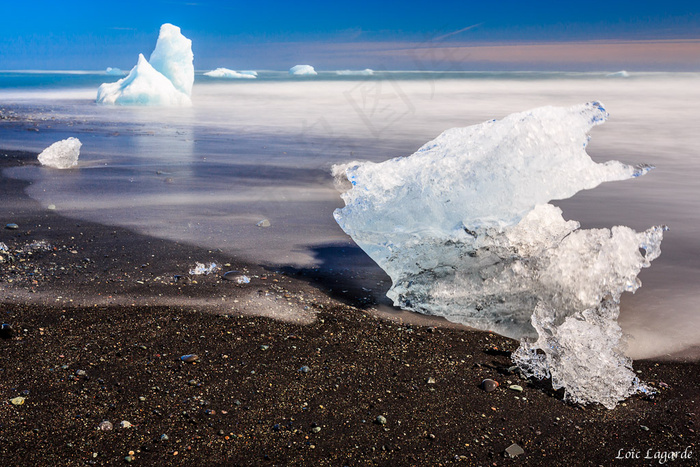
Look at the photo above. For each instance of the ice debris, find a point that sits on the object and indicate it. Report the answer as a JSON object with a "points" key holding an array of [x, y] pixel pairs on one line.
{"points": [[114, 71], [61, 154], [299, 70], [202, 269], [365, 72], [231, 74], [164, 81], [464, 229]]}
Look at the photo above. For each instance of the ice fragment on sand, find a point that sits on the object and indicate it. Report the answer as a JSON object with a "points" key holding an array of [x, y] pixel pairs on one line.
{"points": [[299, 70], [61, 154], [464, 229], [203, 269], [166, 81]]}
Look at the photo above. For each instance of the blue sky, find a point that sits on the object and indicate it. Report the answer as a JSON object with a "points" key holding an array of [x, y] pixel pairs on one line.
{"points": [[269, 34]]}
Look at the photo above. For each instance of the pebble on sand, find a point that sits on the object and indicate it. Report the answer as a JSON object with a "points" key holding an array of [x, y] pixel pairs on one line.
{"points": [[17, 400], [105, 425], [489, 385], [380, 420], [6, 331], [11, 226], [190, 358], [514, 450]]}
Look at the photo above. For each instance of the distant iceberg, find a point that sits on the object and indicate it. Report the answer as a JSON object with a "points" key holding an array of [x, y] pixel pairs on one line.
{"points": [[618, 74], [465, 230], [114, 71], [302, 70], [365, 72], [231, 74], [166, 81], [61, 154]]}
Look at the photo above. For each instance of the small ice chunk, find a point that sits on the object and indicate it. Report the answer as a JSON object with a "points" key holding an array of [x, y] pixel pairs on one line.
{"points": [[143, 86], [202, 269], [114, 71], [302, 70], [230, 74], [61, 154], [263, 223], [243, 280], [365, 72]]}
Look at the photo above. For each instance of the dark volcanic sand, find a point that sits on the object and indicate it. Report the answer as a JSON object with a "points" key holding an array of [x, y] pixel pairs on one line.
{"points": [[100, 325]]}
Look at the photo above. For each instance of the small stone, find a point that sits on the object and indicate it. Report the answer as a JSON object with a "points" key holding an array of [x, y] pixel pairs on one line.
{"points": [[380, 420], [164, 437], [105, 425], [80, 373], [17, 400], [125, 424], [263, 223], [128, 459], [316, 429], [644, 427], [264, 347], [190, 358], [142, 398], [6, 331], [11, 226], [51, 207], [431, 380], [516, 388], [304, 369], [514, 450], [231, 275], [221, 432], [489, 385]]}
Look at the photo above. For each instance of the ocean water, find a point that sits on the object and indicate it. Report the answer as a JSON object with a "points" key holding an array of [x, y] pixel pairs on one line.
{"points": [[249, 150]]}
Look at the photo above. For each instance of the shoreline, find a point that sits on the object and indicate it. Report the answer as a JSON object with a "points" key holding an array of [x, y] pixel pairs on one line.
{"points": [[96, 354]]}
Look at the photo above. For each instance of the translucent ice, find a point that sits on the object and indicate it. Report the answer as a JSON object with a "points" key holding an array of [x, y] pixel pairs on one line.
{"points": [[464, 229], [166, 80], [142, 86], [298, 70], [173, 58], [202, 269], [61, 154], [231, 74]]}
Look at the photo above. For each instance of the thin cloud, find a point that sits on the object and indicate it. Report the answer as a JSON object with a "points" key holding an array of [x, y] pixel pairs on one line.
{"points": [[454, 33]]}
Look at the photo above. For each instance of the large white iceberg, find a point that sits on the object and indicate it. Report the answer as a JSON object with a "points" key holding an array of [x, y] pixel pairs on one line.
{"points": [[61, 154], [142, 86], [302, 70], [166, 81], [464, 229], [231, 74]]}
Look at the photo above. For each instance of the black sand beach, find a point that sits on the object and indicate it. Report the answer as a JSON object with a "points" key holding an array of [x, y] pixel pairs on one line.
{"points": [[298, 371]]}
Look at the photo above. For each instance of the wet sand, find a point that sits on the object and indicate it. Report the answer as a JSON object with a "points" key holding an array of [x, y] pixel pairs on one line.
{"points": [[293, 368]]}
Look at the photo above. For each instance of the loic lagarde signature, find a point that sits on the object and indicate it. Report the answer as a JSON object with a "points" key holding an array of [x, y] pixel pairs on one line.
{"points": [[464, 229]]}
